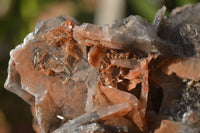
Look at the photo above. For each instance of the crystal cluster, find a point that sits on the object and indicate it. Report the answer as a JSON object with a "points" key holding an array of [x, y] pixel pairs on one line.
{"points": [[130, 77]]}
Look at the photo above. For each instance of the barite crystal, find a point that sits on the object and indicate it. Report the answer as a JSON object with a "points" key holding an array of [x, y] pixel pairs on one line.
{"points": [[130, 77]]}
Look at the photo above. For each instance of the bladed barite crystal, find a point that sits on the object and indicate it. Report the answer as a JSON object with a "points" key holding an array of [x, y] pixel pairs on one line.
{"points": [[129, 77]]}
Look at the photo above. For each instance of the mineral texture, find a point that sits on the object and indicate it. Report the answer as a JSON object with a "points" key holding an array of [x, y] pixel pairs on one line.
{"points": [[130, 77]]}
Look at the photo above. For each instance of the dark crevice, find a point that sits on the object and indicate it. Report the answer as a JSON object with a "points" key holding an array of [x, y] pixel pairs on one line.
{"points": [[155, 98]]}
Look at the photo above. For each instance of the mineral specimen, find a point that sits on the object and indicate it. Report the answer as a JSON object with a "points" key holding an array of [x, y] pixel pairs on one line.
{"points": [[130, 77]]}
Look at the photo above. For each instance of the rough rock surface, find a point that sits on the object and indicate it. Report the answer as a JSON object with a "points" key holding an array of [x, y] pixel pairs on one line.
{"points": [[130, 77]]}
